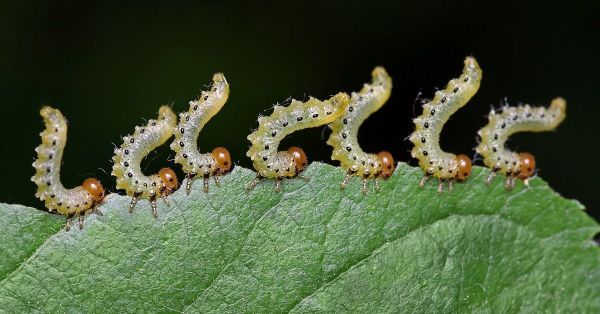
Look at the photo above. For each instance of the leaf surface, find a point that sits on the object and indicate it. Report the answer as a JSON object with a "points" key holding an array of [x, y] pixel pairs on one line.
{"points": [[311, 248]]}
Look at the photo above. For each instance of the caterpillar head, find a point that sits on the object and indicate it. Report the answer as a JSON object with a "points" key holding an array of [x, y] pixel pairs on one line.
{"points": [[527, 166], [169, 178], [222, 158], [387, 164], [94, 188], [299, 157], [464, 167]]}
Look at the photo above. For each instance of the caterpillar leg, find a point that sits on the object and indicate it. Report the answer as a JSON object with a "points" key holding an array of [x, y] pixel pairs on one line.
{"points": [[490, 177], [347, 179], [440, 186], [217, 180], [450, 185], [68, 223], [164, 198], [509, 183], [365, 186], [134, 200], [424, 179], [80, 218], [377, 185], [97, 211], [277, 184], [205, 183], [153, 205], [305, 178], [254, 183], [188, 184], [512, 182]]}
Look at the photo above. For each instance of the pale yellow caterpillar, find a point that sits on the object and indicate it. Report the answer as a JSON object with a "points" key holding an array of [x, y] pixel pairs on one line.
{"points": [[344, 134], [193, 163], [428, 126], [135, 147], [270, 163], [77, 201], [509, 121]]}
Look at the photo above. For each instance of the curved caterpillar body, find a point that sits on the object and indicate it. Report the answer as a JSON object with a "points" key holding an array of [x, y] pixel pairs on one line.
{"points": [[69, 202], [270, 163], [193, 163], [428, 126], [344, 139], [135, 147], [507, 122]]}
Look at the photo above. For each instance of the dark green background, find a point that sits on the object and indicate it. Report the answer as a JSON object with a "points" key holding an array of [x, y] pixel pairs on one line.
{"points": [[108, 66]]}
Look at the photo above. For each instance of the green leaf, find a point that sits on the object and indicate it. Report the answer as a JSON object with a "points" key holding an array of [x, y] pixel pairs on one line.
{"points": [[312, 248]]}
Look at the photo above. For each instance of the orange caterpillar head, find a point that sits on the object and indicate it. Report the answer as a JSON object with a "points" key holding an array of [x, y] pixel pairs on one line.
{"points": [[222, 158], [464, 167], [387, 164], [527, 166], [169, 178], [94, 187], [299, 156]]}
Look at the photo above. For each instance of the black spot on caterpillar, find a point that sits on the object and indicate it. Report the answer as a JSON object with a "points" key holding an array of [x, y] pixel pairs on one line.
{"points": [[509, 121], [270, 163], [77, 201], [428, 126], [344, 134], [216, 163], [127, 160]]}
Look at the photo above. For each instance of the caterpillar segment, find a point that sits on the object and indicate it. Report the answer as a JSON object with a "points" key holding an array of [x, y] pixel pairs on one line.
{"points": [[128, 158], [511, 120], [75, 202], [273, 164], [344, 135], [206, 165], [426, 138]]}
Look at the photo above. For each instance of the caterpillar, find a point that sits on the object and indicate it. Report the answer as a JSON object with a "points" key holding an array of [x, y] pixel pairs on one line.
{"points": [[270, 163], [216, 163], [77, 201], [428, 126], [344, 138], [135, 147], [511, 120]]}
